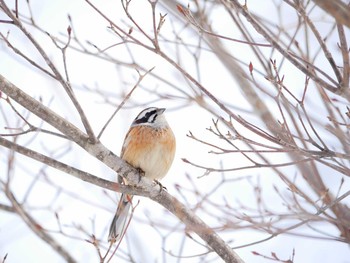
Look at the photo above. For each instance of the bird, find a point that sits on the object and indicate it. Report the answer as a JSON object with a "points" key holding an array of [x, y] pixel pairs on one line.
{"points": [[149, 146]]}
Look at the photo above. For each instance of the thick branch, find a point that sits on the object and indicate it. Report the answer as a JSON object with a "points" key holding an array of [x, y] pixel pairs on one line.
{"points": [[336, 8], [196, 225], [99, 151], [65, 84]]}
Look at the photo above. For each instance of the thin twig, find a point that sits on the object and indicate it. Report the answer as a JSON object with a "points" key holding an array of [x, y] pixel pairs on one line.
{"points": [[141, 76], [54, 69]]}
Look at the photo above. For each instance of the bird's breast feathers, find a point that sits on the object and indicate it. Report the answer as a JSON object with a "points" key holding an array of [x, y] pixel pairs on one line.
{"points": [[150, 149]]}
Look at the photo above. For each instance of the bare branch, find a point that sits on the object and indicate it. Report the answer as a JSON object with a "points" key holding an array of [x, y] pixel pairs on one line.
{"points": [[338, 9], [38, 230], [55, 71], [100, 152]]}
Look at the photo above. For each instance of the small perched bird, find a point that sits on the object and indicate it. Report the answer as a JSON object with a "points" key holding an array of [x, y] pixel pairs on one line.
{"points": [[149, 146]]}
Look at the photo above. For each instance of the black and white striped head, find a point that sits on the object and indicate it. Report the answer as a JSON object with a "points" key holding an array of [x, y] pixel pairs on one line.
{"points": [[152, 117]]}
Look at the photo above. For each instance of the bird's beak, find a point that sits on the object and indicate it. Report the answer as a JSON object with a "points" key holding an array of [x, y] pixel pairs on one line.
{"points": [[160, 110]]}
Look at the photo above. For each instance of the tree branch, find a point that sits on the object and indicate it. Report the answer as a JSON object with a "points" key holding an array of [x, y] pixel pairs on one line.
{"points": [[98, 150], [65, 84], [37, 229], [286, 54], [339, 10]]}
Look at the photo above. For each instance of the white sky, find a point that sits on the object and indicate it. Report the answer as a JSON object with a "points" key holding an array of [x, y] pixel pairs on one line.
{"points": [[19, 242]]}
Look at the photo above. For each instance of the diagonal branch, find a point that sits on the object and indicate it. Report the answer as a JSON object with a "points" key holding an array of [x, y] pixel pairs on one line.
{"points": [[37, 229], [305, 69], [99, 151], [56, 72], [82, 175], [339, 10]]}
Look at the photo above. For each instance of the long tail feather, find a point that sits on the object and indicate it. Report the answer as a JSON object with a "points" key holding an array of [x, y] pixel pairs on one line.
{"points": [[119, 221]]}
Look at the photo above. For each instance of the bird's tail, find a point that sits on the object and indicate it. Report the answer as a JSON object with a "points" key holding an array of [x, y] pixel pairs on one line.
{"points": [[118, 225]]}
